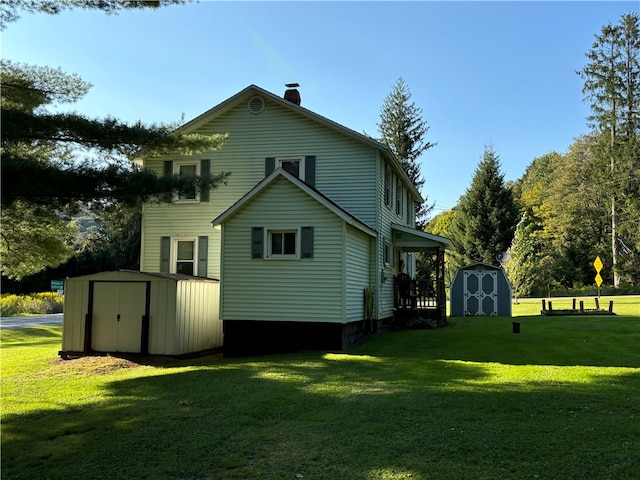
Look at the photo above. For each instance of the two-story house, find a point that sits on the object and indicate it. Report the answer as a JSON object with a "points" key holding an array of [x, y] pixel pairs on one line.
{"points": [[312, 214]]}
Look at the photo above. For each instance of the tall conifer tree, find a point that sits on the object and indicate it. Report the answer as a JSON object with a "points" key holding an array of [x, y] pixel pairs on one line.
{"points": [[612, 87], [486, 215], [403, 129]]}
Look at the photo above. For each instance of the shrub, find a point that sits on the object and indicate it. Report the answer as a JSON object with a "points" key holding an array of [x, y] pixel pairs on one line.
{"points": [[34, 304]]}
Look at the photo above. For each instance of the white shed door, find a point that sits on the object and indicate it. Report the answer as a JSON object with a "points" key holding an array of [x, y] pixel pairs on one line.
{"points": [[118, 308], [480, 292]]}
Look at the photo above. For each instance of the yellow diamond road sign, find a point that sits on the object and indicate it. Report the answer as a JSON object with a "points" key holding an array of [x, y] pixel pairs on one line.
{"points": [[598, 265], [598, 280]]}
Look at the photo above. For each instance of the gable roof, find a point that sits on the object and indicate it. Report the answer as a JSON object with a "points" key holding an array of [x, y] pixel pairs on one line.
{"points": [[312, 192], [253, 90]]}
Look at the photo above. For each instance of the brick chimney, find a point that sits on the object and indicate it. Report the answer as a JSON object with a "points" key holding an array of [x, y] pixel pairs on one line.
{"points": [[292, 94]]}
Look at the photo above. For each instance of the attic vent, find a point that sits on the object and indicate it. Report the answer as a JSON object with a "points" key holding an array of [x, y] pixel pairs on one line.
{"points": [[256, 105]]}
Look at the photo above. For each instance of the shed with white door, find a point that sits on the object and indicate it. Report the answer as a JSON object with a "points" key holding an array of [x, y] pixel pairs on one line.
{"points": [[136, 312], [480, 289]]}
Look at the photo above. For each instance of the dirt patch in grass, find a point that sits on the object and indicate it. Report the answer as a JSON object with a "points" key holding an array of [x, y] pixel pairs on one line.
{"points": [[95, 365], [106, 364]]}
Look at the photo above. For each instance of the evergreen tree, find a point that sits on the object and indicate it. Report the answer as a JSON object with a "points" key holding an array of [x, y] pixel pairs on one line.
{"points": [[486, 215], [403, 129], [612, 87], [54, 163], [9, 10]]}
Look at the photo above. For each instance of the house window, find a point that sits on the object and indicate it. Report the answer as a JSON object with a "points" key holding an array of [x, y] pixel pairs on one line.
{"points": [[282, 244], [187, 169], [409, 219], [398, 196], [185, 257], [387, 254], [295, 166], [387, 187]]}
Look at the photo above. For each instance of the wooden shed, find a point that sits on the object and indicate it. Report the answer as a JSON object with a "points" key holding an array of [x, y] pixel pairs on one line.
{"points": [[137, 312], [480, 289]]}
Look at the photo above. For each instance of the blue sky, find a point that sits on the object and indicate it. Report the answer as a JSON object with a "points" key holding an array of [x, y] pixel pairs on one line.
{"points": [[499, 73]]}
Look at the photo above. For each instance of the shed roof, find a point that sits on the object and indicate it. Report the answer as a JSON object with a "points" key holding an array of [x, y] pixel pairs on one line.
{"points": [[480, 264], [167, 276], [305, 187]]}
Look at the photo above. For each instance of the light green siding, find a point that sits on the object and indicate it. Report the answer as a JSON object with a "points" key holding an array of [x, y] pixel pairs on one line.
{"points": [[357, 273], [291, 290], [349, 171], [344, 172], [387, 216]]}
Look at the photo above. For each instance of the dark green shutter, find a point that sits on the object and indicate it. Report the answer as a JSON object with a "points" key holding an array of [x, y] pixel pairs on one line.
{"points": [[306, 244], [165, 254], [167, 172], [269, 165], [257, 239], [203, 254], [205, 172], [310, 170]]}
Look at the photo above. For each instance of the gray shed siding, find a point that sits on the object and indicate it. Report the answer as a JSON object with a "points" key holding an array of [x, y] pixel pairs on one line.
{"points": [[481, 297]]}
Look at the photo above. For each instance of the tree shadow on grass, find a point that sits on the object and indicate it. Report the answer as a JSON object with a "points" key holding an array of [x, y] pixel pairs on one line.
{"points": [[541, 341], [330, 416]]}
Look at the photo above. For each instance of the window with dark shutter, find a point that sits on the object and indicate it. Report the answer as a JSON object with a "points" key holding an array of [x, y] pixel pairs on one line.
{"points": [[387, 187], [165, 254], [205, 172], [306, 244], [269, 165], [168, 171], [257, 239], [203, 254], [310, 170]]}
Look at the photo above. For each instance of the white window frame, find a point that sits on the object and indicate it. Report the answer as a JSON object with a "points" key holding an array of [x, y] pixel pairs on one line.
{"points": [[268, 243], [173, 266], [296, 158], [387, 254], [176, 170]]}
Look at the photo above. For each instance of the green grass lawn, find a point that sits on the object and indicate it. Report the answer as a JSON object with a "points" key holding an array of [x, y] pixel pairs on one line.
{"points": [[560, 400]]}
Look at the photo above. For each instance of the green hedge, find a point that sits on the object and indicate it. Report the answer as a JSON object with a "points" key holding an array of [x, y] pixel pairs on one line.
{"points": [[34, 304]]}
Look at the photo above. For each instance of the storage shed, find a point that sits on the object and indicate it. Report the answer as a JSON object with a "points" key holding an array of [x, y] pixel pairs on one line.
{"points": [[480, 289], [138, 312]]}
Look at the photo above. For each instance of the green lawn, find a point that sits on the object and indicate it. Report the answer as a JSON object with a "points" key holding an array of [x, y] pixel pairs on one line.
{"points": [[560, 400]]}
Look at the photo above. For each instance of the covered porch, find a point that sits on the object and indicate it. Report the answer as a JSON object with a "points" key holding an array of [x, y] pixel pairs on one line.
{"points": [[420, 301]]}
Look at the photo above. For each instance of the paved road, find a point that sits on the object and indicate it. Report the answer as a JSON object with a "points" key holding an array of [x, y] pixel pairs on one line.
{"points": [[30, 321]]}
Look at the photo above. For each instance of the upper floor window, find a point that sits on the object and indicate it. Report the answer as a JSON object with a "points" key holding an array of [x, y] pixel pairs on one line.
{"points": [[295, 166], [387, 187], [189, 168], [302, 167], [398, 196]]}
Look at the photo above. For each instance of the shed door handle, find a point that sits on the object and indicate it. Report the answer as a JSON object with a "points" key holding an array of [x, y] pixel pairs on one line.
{"points": [[118, 317]]}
